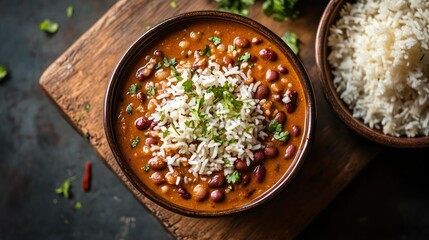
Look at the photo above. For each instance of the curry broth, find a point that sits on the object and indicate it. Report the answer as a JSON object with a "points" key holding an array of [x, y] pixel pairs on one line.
{"points": [[138, 159]]}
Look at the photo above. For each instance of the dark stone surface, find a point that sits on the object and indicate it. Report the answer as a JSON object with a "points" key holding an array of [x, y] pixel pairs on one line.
{"points": [[39, 149]]}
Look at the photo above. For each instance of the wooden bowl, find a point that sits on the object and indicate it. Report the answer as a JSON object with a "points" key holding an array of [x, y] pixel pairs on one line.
{"points": [[329, 17], [126, 63]]}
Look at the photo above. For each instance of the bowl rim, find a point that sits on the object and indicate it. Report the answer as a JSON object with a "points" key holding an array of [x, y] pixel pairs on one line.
{"points": [[134, 50], [329, 17]]}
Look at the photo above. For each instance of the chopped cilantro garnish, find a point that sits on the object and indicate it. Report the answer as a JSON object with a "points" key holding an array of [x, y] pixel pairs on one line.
{"points": [[282, 136], [216, 41], [129, 108], [162, 116], [3, 72], [135, 142], [188, 123], [69, 11], [188, 84], [146, 168], [49, 26], [158, 66], [80, 117], [275, 126], [230, 101], [173, 4], [151, 91], [88, 107], [64, 188], [280, 9], [234, 177], [134, 87], [170, 63], [206, 51], [226, 161], [176, 74], [174, 128], [247, 128], [77, 205], [165, 133], [235, 6], [244, 58], [292, 40]]}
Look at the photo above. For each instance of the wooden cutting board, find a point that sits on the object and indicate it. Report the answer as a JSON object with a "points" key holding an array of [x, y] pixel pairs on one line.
{"points": [[79, 77]]}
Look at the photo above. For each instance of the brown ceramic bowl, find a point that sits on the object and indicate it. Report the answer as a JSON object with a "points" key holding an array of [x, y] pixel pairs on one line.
{"points": [[329, 17], [123, 67]]}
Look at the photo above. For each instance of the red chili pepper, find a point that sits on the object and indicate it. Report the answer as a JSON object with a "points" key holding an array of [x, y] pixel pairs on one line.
{"points": [[86, 183]]}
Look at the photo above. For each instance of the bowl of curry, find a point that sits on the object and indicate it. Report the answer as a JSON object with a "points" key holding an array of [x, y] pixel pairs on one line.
{"points": [[209, 113]]}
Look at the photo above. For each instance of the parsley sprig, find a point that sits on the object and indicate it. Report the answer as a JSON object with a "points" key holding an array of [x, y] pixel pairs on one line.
{"points": [[276, 128]]}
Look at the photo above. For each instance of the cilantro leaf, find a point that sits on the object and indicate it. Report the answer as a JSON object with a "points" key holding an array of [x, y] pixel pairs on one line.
{"points": [[3, 72], [49, 26], [174, 128], [244, 58], [188, 84], [170, 63], [77, 205], [280, 9], [151, 91], [135, 142], [146, 168], [275, 126], [134, 87], [158, 66], [216, 41], [234, 177], [173, 4], [129, 108], [282, 136], [176, 74], [165, 133], [235, 6], [292, 40], [206, 51], [64, 188], [69, 11], [88, 107]]}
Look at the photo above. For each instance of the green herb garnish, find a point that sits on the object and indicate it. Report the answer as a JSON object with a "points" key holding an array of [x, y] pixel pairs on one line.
{"points": [[167, 63], [226, 161], [162, 116], [188, 84], [244, 58], [69, 11], [134, 87], [234, 177], [282, 136], [135, 142], [173, 4], [216, 41], [88, 107], [275, 126], [158, 66], [151, 91], [165, 133], [64, 188], [174, 128], [235, 6], [80, 117], [148, 26], [176, 74], [146, 168], [280, 9], [292, 40], [49, 26], [77, 205], [129, 108], [3, 72], [206, 51]]}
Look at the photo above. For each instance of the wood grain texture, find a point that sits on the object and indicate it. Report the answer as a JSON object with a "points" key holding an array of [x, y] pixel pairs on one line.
{"points": [[80, 76]]}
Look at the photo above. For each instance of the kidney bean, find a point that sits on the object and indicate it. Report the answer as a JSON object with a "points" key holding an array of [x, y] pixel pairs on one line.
{"points": [[241, 42], [153, 125], [268, 54], [240, 165], [158, 53], [293, 95], [291, 106], [258, 156], [281, 117], [183, 193], [262, 92], [259, 173], [157, 164], [200, 192], [217, 181], [151, 141], [277, 97], [271, 151], [227, 60], [217, 195], [143, 123], [157, 178], [246, 179], [282, 69], [290, 151], [296, 130], [253, 58], [141, 96], [271, 75], [256, 40]]}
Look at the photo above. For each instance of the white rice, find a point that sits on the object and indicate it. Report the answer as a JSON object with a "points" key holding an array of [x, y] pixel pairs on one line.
{"points": [[380, 63], [205, 154]]}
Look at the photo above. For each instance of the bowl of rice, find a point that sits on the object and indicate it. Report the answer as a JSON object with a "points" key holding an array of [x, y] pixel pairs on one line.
{"points": [[373, 61]]}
